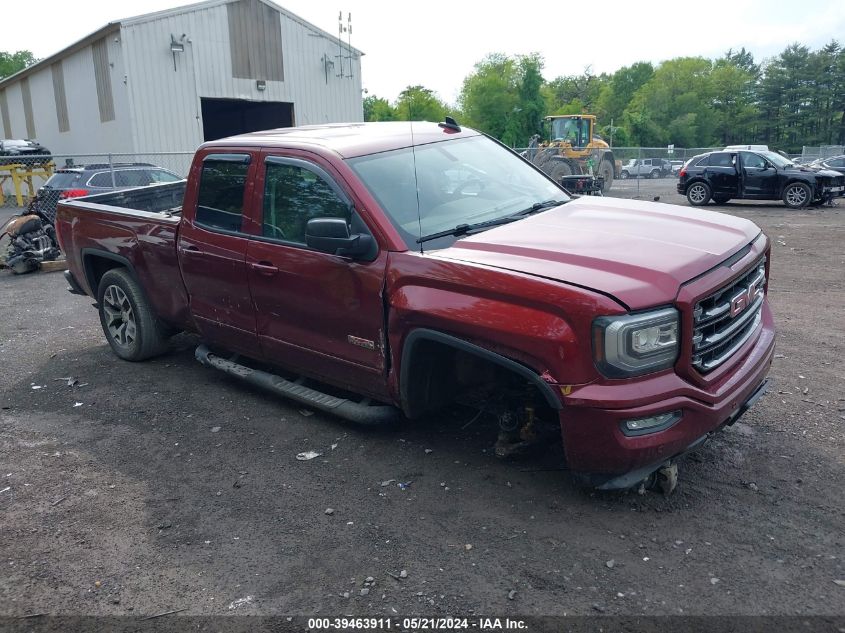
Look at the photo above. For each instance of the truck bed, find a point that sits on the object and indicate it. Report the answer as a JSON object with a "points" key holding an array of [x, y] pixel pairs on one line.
{"points": [[136, 228]]}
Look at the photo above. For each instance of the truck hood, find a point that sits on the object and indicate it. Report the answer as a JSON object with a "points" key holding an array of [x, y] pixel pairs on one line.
{"points": [[638, 252]]}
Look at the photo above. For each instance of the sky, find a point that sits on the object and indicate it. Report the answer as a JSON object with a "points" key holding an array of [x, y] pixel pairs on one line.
{"points": [[437, 43]]}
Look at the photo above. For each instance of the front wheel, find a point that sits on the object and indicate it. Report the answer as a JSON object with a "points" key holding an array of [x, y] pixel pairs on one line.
{"points": [[698, 194], [623, 176], [606, 172], [130, 326], [797, 195], [655, 174]]}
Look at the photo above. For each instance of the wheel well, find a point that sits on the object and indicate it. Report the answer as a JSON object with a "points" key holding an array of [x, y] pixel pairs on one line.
{"points": [[437, 369], [97, 264]]}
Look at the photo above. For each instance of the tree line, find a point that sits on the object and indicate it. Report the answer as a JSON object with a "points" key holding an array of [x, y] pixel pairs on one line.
{"points": [[795, 98]]}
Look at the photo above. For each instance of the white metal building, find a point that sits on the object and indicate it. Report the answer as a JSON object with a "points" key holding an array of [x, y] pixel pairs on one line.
{"points": [[167, 81]]}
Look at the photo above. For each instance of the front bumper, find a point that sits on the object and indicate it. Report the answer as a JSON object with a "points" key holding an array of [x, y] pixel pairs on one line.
{"points": [[591, 420]]}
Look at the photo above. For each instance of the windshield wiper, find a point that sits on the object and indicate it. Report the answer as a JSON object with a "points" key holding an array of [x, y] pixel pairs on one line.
{"points": [[463, 229], [539, 206]]}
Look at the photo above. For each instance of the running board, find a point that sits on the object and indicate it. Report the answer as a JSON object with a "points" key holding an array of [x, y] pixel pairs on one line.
{"points": [[368, 415]]}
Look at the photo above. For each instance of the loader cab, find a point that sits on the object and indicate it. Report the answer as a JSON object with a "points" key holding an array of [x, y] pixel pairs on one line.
{"points": [[575, 130]]}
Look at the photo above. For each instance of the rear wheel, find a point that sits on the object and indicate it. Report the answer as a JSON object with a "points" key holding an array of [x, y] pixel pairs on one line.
{"points": [[797, 195], [130, 326], [624, 175], [655, 174], [698, 194]]}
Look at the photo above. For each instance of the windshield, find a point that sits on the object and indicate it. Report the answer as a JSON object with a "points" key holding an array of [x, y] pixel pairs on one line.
{"points": [[776, 159], [460, 181]]}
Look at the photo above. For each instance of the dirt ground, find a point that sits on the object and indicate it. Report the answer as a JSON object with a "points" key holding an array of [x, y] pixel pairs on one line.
{"points": [[159, 486]]}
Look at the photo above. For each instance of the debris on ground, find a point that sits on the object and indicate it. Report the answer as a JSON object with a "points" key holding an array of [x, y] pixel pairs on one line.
{"points": [[215, 429], [241, 602], [306, 413], [599, 608], [164, 525], [387, 482], [404, 485], [511, 594], [610, 564], [428, 451], [7, 488], [403, 574], [467, 547], [329, 511], [306, 455], [714, 581], [77, 404], [841, 583]]}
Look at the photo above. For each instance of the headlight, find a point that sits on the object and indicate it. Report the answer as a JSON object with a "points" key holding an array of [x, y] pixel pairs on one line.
{"points": [[636, 344]]}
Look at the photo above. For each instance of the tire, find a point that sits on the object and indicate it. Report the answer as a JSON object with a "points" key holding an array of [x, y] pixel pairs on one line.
{"points": [[797, 195], [606, 172], [624, 175], [559, 168], [130, 326], [720, 199], [654, 175], [698, 194]]}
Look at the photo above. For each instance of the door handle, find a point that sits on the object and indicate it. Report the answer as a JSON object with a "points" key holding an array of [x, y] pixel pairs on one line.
{"points": [[191, 250], [265, 268]]}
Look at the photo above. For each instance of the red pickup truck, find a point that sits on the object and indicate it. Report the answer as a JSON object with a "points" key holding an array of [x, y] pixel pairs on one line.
{"points": [[372, 269]]}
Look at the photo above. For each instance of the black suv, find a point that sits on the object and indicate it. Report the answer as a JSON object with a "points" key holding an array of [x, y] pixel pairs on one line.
{"points": [[23, 151], [73, 182], [723, 176]]}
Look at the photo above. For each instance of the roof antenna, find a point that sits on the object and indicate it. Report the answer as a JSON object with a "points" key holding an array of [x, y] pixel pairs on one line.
{"points": [[450, 124]]}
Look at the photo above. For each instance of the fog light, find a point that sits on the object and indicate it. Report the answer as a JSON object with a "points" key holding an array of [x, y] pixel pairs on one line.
{"points": [[651, 424]]}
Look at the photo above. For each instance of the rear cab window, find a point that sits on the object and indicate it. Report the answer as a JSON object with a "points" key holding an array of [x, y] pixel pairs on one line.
{"points": [[220, 199]]}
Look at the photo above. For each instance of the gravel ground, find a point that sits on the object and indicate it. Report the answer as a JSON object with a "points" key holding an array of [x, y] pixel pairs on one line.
{"points": [[160, 486]]}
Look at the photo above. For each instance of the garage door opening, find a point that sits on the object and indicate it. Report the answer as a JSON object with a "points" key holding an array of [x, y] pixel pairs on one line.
{"points": [[227, 117]]}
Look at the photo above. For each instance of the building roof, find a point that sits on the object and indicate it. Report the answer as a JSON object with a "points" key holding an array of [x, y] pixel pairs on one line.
{"points": [[115, 26]]}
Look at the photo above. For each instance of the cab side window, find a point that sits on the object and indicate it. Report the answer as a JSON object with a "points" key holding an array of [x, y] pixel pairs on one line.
{"points": [[722, 159], [292, 196], [220, 202], [753, 160]]}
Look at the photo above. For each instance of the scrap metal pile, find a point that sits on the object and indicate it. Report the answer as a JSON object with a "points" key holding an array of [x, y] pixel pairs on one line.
{"points": [[32, 240]]}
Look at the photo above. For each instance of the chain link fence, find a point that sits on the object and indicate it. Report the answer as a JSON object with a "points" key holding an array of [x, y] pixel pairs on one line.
{"points": [[50, 177], [811, 153]]}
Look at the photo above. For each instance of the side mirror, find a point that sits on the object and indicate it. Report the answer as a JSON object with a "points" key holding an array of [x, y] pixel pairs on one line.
{"points": [[331, 235]]}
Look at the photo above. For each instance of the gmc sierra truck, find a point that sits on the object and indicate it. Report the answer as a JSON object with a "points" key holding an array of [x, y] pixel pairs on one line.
{"points": [[385, 269]]}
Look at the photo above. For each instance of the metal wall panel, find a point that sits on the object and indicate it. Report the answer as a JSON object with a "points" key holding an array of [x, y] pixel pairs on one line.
{"points": [[102, 77], [27, 108], [59, 96], [255, 41], [4, 113]]}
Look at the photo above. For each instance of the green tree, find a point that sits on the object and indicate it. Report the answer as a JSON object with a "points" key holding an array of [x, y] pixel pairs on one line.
{"points": [[378, 109], [659, 109], [10, 63], [527, 116], [617, 91], [417, 103], [734, 91], [488, 96]]}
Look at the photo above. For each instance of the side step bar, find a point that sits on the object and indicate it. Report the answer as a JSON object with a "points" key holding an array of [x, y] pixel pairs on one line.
{"points": [[368, 415]]}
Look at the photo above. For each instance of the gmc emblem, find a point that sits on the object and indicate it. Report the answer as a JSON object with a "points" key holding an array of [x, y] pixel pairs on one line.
{"points": [[746, 297]]}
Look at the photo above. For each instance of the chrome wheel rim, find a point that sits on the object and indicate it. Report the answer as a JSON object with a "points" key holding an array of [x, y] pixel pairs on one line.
{"points": [[120, 318], [696, 194], [796, 196]]}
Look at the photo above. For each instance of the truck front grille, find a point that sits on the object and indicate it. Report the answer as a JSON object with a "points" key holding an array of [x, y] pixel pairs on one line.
{"points": [[725, 320]]}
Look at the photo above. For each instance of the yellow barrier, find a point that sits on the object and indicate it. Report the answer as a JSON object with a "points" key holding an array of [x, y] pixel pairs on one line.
{"points": [[21, 176]]}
